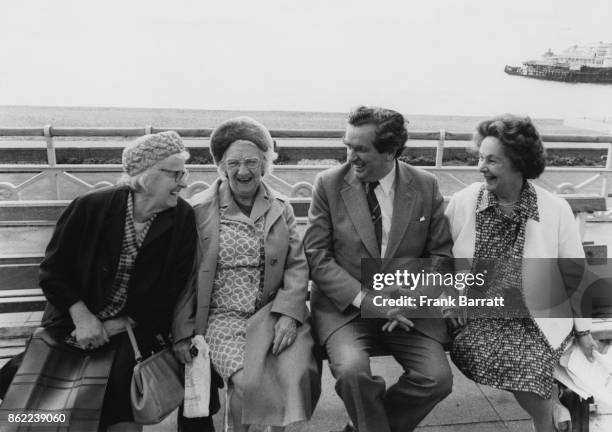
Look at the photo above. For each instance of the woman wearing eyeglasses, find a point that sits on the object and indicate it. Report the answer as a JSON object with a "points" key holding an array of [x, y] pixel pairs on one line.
{"points": [[123, 254], [252, 285]]}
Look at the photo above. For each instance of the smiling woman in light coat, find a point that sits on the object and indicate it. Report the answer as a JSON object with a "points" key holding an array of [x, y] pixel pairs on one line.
{"points": [[252, 284], [514, 221]]}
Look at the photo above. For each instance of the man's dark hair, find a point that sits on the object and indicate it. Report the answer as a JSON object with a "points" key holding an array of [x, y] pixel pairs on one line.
{"points": [[391, 133]]}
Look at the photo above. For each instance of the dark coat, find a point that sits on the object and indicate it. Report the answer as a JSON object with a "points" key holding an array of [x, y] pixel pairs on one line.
{"points": [[82, 258]]}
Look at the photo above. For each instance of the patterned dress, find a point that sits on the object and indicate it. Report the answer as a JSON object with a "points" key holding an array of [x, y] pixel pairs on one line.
{"points": [[509, 353], [237, 289]]}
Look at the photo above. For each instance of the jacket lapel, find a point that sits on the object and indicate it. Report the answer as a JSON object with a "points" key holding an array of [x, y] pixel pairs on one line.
{"points": [[162, 223], [114, 226], [356, 204], [207, 220], [403, 208], [273, 210]]}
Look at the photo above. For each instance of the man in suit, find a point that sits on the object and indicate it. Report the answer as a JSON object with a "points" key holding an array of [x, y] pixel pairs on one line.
{"points": [[346, 223]]}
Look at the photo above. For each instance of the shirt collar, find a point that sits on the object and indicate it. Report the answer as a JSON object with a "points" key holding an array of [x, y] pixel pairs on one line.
{"points": [[260, 203], [388, 181], [526, 207]]}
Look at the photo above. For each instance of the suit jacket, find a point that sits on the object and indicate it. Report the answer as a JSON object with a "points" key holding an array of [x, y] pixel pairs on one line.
{"points": [[555, 235], [82, 258], [340, 233]]}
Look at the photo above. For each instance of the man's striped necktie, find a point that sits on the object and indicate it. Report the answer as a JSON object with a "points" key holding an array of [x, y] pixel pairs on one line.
{"points": [[375, 212]]}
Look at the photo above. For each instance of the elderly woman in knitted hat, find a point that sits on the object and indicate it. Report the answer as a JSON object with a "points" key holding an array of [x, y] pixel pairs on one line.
{"points": [[252, 285], [120, 254]]}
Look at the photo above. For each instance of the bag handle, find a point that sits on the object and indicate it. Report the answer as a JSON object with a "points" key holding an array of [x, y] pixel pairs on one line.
{"points": [[130, 332]]}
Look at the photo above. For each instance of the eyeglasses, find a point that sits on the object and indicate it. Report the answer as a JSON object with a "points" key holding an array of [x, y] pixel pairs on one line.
{"points": [[178, 175], [250, 163]]}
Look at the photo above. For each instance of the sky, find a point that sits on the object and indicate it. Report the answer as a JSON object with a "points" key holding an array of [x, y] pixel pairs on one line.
{"points": [[423, 56]]}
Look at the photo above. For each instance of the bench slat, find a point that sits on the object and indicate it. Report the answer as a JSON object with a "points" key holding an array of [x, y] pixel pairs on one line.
{"points": [[12, 343], [48, 211], [585, 203], [23, 304], [8, 353], [18, 276], [602, 328], [34, 292]]}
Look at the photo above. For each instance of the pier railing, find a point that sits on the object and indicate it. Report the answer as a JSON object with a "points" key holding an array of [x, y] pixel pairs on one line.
{"points": [[64, 181]]}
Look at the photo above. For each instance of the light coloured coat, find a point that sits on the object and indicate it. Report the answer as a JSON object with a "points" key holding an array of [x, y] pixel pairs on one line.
{"points": [[281, 377], [555, 235]]}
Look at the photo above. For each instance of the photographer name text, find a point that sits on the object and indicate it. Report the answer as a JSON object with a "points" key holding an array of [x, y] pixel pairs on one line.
{"points": [[449, 302]]}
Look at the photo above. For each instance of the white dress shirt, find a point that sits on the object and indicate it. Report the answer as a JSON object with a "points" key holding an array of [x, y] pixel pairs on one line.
{"points": [[385, 193]]}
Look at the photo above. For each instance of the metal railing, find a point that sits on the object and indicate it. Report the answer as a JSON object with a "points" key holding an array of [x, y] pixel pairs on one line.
{"points": [[292, 180]]}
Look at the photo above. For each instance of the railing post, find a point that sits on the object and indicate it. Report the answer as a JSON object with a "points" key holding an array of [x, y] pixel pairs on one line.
{"points": [[606, 188], [440, 149], [148, 129], [51, 161]]}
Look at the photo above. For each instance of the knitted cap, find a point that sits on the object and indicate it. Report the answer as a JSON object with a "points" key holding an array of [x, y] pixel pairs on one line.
{"points": [[147, 150], [236, 129]]}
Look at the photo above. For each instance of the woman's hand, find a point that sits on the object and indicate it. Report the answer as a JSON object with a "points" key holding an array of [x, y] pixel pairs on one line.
{"points": [[182, 350], [587, 344], [455, 320], [90, 333], [285, 332]]}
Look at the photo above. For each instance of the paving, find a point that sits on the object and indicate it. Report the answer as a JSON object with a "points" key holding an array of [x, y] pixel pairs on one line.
{"points": [[470, 407]]}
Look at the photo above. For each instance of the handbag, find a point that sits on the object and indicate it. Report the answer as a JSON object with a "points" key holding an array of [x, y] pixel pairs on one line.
{"points": [[53, 377], [156, 388]]}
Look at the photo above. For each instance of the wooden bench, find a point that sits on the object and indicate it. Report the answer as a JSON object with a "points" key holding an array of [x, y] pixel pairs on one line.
{"points": [[19, 290]]}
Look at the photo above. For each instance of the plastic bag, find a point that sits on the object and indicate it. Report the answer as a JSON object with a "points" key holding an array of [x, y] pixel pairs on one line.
{"points": [[197, 380], [587, 378]]}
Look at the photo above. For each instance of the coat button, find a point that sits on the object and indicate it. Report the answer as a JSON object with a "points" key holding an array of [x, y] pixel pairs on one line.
{"points": [[273, 261]]}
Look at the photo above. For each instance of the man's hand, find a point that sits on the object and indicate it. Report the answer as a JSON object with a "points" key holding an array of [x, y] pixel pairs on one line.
{"points": [[285, 332], [395, 315], [182, 350], [398, 320]]}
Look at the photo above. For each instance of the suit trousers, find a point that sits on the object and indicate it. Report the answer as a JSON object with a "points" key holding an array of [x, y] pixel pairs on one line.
{"points": [[427, 377]]}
